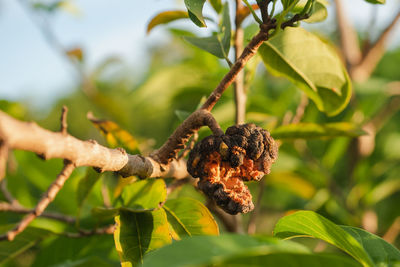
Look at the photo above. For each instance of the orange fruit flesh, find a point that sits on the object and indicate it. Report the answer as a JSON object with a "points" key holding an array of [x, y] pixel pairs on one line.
{"points": [[232, 178]]}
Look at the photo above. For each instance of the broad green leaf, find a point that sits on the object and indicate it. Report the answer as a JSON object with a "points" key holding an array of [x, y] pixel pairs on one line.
{"points": [[225, 29], [210, 44], [138, 233], [286, 3], [208, 250], [312, 65], [25, 240], [308, 130], [195, 9], [115, 135], [217, 5], [308, 223], [291, 260], [381, 252], [376, 1], [166, 17], [219, 43], [145, 194], [318, 11], [189, 217], [86, 184]]}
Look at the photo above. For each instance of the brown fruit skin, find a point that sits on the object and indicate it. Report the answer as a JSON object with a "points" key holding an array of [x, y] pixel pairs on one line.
{"points": [[240, 144]]}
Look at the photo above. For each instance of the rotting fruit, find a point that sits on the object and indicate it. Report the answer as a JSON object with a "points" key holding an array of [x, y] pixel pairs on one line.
{"points": [[222, 162]]}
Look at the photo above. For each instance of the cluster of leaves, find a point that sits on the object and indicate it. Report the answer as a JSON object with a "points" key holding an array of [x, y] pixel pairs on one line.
{"points": [[310, 174]]}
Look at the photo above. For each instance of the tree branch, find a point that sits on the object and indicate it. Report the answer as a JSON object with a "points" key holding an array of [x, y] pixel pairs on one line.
{"points": [[82, 153], [6, 207], [43, 203], [240, 95], [177, 140], [373, 53], [251, 227], [107, 230], [348, 37]]}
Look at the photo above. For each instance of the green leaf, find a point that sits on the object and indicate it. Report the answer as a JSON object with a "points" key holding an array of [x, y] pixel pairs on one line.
{"points": [[166, 17], [308, 130], [318, 11], [195, 9], [218, 44], [189, 217], [225, 29], [309, 223], [312, 65], [376, 1], [208, 250], [145, 194], [138, 233], [22, 242], [381, 252], [217, 5], [211, 44], [286, 3], [292, 260], [86, 184]]}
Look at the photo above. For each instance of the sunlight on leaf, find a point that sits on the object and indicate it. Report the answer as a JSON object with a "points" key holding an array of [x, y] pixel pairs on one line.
{"points": [[195, 9], [115, 135], [308, 130], [139, 233], [209, 250], [309, 223], [312, 65], [166, 17], [189, 217]]}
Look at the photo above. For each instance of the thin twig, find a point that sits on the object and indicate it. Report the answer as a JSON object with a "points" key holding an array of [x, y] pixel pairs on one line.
{"points": [[238, 85], [177, 184], [373, 54], [348, 37], [252, 227], [107, 230], [6, 207], [64, 124], [7, 195], [51, 193], [229, 221], [393, 232], [300, 109], [177, 140]]}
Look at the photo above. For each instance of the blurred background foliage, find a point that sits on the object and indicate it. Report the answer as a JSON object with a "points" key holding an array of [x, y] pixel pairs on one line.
{"points": [[323, 175]]}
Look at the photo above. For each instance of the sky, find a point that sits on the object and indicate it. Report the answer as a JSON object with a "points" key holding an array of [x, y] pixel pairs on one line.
{"points": [[32, 71]]}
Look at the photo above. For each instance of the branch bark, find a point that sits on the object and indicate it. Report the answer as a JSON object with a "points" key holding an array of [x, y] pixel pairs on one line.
{"points": [[240, 94], [6, 207], [348, 37], [373, 53], [43, 203]]}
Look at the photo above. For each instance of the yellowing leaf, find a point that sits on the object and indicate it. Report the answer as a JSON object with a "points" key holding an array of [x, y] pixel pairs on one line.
{"points": [[115, 135], [166, 17], [75, 53], [189, 217], [293, 183]]}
